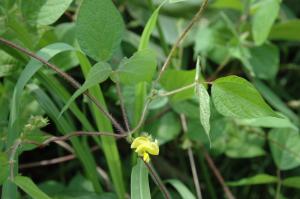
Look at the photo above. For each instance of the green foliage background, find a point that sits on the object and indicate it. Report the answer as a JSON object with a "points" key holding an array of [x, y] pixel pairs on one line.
{"points": [[227, 102]]}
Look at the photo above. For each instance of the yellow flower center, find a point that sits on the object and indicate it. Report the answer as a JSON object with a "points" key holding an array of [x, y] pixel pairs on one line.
{"points": [[144, 145]]}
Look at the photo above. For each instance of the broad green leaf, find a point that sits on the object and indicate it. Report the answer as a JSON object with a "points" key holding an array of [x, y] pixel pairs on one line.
{"points": [[285, 147], [44, 12], [293, 182], [4, 167], [204, 107], [181, 189], [175, 79], [145, 38], [255, 180], [28, 186], [264, 60], [138, 68], [235, 97], [287, 30], [98, 73], [99, 28], [139, 181], [263, 19], [231, 4]]}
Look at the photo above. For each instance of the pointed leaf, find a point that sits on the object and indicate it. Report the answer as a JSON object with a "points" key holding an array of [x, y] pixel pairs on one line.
{"points": [[255, 180], [98, 73], [235, 97], [28, 186], [181, 189], [204, 107]]}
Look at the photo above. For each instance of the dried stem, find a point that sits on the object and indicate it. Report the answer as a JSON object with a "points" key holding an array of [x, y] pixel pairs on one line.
{"points": [[67, 77], [78, 133], [181, 38], [192, 160], [218, 175], [119, 92], [158, 181]]}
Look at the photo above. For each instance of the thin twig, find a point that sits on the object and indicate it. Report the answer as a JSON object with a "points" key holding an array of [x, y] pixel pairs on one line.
{"points": [[125, 118], [177, 90], [158, 181], [191, 158], [144, 113], [181, 38], [218, 175], [67, 77], [14, 149], [78, 133]]}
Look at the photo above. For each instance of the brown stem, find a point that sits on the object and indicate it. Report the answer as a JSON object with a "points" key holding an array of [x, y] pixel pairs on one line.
{"points": [[218, 175], [67, 77], [78, 133], [181, 38], [125, 118], [191, 158], [158, 181]]}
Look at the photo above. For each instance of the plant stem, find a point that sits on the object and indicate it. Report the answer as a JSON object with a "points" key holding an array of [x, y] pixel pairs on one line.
{"points": [[278, 187], [125, 118], [158, 181], [191, 158], [12, 157], [67, 77], [218, 175], [181, 38], [177, 90]]}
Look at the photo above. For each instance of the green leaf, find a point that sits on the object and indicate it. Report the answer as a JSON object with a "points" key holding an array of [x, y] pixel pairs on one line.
{"points": [[99, 28], [264, 60], [98, 73], [263, 19], [138, 68], [145, 38], [139, 181], [181, 189], [4, 167], [269, 122], [28, 186], [285, 147], [274, 100], [293, 182], [287, 30], [204, 107], [174, 79], [231, 4], [255, 180], [235, 97], [44, 12]]}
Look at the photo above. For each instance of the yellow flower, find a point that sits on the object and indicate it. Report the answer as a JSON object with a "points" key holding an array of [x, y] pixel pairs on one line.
{"points": [[144, 145]]}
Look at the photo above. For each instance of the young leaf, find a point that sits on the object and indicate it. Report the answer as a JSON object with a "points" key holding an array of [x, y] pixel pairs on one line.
{"points": [[181, 189], [235, 97], [99, 28], [138, 68], [30, 188], [44, 12], [204, 107], [285, 145], [255, 180], [139, 181], [98, 73], [263, 20]]}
